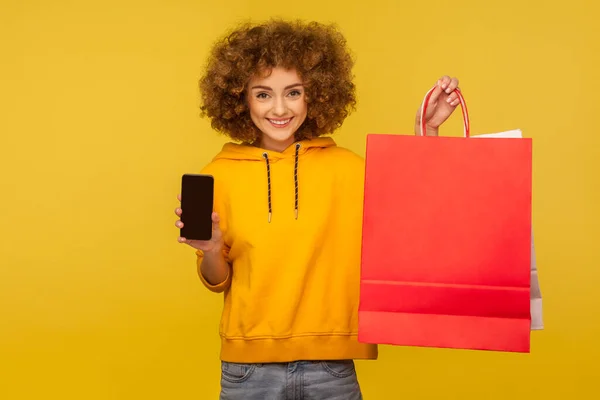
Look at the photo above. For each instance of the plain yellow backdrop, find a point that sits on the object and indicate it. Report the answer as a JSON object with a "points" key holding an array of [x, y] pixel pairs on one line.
{"points": [[99, 119]]}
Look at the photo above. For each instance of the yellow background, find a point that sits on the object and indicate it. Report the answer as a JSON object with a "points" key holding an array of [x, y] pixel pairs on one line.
{"points": [[99, 118]]}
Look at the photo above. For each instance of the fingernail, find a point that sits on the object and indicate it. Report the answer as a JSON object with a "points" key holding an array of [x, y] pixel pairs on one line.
{"points": [[448, 90], [444, 86]]}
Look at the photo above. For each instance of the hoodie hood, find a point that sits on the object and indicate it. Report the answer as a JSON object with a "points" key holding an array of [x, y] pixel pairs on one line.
{"points": [[232, 151]]}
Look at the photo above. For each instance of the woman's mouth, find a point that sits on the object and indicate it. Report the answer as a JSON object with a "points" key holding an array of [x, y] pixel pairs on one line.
{"points": [[280, 123]]}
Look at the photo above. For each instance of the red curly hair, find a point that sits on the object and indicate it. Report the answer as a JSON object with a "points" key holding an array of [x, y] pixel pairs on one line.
{"points": [[316, 51]]}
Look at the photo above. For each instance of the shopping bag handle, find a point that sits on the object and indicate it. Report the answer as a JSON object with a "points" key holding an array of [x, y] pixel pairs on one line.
{"points": [[463, 107]]}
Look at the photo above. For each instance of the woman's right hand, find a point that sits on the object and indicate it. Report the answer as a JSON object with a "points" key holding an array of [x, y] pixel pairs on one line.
{"points": [[215, 244]]}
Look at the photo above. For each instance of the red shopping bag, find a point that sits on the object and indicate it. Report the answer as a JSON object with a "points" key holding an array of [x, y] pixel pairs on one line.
{"points": [[446, 241]]}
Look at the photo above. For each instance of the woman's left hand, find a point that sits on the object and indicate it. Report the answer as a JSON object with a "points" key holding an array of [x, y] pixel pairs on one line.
{"points": [[442, 103]]}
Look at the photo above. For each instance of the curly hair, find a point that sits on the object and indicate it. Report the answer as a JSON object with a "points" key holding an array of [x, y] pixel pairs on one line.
{"points": [[316, 51]]}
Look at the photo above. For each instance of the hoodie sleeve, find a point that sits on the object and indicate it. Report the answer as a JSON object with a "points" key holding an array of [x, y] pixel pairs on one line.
{"points": [[220, 287], [219, 202]]}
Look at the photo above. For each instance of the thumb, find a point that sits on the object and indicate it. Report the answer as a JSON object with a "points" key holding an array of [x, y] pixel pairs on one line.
{"points": [[215, 222], [435, 94]]}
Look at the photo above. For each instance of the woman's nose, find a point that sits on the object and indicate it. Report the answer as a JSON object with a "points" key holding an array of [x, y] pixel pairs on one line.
{"points": [[280, 108]]}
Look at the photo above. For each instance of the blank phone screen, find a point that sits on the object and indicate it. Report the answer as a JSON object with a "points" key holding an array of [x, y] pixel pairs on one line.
{"points": [[197, 192]]}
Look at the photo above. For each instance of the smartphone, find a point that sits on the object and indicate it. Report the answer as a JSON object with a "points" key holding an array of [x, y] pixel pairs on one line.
{"points": [[197, 198]]}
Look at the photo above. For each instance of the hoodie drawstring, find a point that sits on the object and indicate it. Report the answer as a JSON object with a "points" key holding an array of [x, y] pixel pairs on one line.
{"points": [[266, 157], [296, 181]]}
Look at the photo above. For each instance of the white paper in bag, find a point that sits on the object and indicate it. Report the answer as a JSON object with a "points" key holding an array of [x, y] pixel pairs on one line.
{"points": [[537, 322]]}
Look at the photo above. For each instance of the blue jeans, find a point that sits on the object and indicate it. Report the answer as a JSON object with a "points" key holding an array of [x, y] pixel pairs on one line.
{"points": [[301, 380]]}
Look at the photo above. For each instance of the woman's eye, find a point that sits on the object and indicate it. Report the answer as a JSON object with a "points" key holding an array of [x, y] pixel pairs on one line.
{"points": [[262, 96], [295, 93]]}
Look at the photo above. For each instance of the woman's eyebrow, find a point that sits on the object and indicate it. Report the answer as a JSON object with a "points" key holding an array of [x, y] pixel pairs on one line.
{"points": [[292, 86], [268, 88]]}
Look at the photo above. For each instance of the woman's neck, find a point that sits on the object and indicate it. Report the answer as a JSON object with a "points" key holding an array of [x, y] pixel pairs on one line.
{"points": [[273, 145]]}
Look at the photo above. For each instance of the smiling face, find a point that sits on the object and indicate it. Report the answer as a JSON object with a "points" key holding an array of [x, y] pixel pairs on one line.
{"points": [[277, 107]]}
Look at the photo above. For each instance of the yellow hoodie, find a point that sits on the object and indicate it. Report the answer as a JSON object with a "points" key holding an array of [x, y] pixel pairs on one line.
{"points": [[291, 223]]}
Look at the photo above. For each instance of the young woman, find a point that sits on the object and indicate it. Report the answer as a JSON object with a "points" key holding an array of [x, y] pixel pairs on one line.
{"points": [[286, 237]]}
